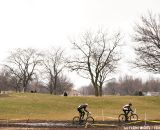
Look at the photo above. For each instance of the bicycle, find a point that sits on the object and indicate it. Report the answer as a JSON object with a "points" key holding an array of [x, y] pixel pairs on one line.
{"points": [[131, 117], [88, 118]]}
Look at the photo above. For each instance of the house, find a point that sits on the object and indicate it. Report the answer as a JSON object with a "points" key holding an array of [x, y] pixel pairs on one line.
{"points": [[74, 92], [151, 93]]}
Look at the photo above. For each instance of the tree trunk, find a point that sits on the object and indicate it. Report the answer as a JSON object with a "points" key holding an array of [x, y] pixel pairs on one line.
{"points": [[55, 85], [96, 90], [100, 90], [51, 88]]}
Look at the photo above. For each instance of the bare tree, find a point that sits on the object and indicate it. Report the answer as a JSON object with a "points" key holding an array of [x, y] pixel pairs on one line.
{"points": [[111, 88], [53, 64], [64, 84], [147, 35], [152, 85], [129, 85], [16, 83], [86, 90], [97, 57], [22, 64], [4, 81]]}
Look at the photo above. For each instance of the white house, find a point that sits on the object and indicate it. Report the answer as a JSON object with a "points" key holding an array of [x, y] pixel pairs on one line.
{"points": [[151, 93]]}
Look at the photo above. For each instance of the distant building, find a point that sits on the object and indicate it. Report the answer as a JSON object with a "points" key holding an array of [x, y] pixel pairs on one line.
{"points": [[151, 93], [5, 92], [74, 92]]}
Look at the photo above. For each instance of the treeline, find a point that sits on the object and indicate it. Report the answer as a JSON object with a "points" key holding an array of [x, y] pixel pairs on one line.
{"points": [[8, 82], [126, 86], [31, 70]]}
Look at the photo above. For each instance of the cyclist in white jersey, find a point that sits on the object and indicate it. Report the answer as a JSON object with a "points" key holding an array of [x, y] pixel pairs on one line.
{"points": [[126, 109]]}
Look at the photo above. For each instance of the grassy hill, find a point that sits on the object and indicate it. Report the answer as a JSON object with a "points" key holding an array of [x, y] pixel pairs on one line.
{"points": [[49, 107]]}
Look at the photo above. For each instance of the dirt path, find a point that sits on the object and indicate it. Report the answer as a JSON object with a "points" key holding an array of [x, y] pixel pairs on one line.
{"points": [[58, 129], [67, 125]]}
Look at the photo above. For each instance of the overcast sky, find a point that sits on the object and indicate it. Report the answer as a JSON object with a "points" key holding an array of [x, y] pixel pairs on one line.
{"points": [[45, 23]]}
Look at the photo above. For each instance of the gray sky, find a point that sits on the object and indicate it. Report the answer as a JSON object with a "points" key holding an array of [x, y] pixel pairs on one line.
{"points": [[45, 23]]}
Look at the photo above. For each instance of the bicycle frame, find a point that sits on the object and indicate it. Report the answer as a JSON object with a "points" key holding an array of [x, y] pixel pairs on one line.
{"points": [[86, 115], [131, 113]]}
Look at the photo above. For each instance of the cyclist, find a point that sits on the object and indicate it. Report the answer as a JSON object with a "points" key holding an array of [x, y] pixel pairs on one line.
{"points": [[126, 109], [82, 109]]}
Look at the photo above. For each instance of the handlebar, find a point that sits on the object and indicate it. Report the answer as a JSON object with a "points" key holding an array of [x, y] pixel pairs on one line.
{"points": [[133, 112], [88, 113]]}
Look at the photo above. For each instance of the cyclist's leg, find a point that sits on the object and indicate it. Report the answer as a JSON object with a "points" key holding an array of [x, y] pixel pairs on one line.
{"points": [[124, 112], [83, 113], [126, 115], [127, 112], [81, 116], [80, 113]]}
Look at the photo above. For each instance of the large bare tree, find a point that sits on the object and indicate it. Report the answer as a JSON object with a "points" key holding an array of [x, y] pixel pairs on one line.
{"points": [[53, 65], [97, 57], [147, 36], [22, 64]]}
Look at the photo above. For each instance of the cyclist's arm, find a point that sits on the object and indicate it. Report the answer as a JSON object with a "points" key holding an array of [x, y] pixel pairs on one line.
{"points": [[86, 110], [130, 109]]}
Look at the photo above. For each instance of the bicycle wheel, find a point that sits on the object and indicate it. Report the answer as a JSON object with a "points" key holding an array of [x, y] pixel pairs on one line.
{"points": [[90, 120], [133, 117], [76, 120], [121, 118]]}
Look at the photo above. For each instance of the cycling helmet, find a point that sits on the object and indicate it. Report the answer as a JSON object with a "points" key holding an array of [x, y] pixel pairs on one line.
{"points": [[86, 104]]}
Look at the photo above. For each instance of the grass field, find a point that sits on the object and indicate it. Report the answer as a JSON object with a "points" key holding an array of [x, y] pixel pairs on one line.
{"points": [[48, 107]]}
